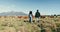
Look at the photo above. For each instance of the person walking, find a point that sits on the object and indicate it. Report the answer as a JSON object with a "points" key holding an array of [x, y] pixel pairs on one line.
{"points": [[37, 15], [30, 16]]}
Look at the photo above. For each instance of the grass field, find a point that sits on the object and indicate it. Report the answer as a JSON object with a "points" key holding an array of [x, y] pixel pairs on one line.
{"points": [[18, 24]]}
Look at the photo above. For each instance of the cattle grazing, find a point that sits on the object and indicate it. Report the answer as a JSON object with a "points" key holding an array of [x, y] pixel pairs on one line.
{"points": [[42, 16], [19, 16]]}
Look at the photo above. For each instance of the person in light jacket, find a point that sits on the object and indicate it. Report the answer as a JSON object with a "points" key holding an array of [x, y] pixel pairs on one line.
{"points": [[30, 16]]}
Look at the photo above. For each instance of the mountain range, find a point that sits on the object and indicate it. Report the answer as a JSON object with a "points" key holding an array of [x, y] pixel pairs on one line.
{"points": [[13, 14]]}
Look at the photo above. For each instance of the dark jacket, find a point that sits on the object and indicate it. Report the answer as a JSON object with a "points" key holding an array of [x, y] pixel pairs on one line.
{"points": [[37, 14]]}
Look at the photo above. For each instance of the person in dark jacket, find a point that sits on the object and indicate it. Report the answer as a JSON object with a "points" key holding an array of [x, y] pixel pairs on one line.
{"points": [[37, 15], [30, 16]]}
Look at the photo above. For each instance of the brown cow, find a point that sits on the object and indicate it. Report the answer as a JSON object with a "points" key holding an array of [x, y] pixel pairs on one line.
{"points": [[0, 16], [19, 16], [51, 16], [25, 17], [5, 16], [42, 16]]}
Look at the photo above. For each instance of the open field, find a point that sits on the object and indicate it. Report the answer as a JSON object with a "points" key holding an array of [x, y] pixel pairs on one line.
{"points": [[21, 24]]}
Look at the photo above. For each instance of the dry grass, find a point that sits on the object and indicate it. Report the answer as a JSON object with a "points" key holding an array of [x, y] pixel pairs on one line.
{"points": [[15, 24]]}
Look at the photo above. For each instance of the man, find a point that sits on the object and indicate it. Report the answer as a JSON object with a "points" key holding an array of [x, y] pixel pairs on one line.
{"points": [[37, 15]]}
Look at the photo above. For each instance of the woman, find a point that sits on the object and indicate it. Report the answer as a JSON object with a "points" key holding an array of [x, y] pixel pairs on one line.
{"points": [[30, 16]]}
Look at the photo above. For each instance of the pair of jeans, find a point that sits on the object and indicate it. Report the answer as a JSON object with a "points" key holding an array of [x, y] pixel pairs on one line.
{"points": [[30, 19]]}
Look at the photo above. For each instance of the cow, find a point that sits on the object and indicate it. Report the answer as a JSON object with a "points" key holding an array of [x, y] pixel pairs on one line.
{"points": [[19, 16], [42, 16]]}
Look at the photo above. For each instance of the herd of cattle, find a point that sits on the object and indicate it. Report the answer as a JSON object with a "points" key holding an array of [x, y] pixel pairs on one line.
{"points": [[26, 17]]}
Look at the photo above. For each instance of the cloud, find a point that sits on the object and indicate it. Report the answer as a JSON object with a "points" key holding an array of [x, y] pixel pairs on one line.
{"points": [[6, 8]]}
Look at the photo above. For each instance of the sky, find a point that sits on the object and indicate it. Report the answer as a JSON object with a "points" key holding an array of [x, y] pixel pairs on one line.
{"points": [[45, 7]]}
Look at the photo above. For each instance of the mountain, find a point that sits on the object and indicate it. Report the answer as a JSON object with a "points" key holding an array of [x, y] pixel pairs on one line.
{"points": [[13, 14]]}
